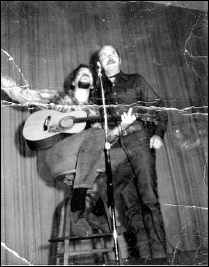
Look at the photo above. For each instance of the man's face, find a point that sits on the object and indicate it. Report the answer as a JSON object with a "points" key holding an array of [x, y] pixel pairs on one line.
{"points": [[84, 76], [109, 59]]}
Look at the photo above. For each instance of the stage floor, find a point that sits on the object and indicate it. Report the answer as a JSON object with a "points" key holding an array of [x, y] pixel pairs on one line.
{"points": [[184, 258], [196, 258]]}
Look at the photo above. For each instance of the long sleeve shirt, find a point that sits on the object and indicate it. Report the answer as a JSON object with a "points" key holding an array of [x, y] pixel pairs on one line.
{"points": [[132, 90], [45, 100]]}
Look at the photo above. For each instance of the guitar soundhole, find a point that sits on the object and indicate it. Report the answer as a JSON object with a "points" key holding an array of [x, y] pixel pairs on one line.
{"points": [[66, 123]]}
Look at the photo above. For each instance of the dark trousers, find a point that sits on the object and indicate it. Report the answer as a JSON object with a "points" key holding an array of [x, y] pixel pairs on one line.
{"points": [[136, 180]]}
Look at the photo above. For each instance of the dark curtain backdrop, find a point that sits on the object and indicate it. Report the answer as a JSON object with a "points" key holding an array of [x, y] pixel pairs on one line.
{"points": [[41, 43]]}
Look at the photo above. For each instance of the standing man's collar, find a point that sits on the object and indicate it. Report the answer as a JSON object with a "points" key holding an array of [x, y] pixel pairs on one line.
{"points": [[120, 75], [123, 76]]}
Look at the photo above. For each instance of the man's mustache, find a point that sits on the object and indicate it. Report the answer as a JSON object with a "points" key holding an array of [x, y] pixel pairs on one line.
{"points": [[86, 75]]}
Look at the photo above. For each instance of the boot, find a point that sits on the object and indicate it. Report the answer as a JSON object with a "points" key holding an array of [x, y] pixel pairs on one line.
{"points": [[143, 248], [142, 239], [78, 200], [158, 248], [99, 208]]}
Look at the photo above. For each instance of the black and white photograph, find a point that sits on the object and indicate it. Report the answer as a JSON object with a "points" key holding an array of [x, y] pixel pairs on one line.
{"points": [[104, 133]]}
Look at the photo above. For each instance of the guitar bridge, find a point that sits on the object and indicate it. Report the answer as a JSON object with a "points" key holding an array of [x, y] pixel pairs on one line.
{"points": [[54, 129]]}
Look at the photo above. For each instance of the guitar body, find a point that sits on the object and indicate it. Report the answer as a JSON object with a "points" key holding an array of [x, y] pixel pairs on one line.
{"points": [[41, 129]]}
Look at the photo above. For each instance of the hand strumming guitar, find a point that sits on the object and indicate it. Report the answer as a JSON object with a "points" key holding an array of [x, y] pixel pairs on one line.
{"points": [[127, 118]]}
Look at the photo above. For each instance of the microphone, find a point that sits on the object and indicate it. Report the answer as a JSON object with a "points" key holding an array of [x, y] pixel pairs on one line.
{"points": [[100, 69], [108, 166], [99, 64]]}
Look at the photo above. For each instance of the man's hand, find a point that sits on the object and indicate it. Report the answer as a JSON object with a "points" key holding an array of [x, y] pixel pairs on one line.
{"points": [[156, 142], [127, 119]]}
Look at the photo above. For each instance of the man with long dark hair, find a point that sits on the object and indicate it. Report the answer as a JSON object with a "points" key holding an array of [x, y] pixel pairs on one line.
{"points": [[80, 152]]}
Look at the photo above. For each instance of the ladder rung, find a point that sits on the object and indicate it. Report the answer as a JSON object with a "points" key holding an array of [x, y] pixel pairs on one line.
{"points": [[61, 239], [83, 252]]}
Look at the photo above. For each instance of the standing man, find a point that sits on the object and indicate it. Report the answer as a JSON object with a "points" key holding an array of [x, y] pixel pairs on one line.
{"points": [[139, 142]]}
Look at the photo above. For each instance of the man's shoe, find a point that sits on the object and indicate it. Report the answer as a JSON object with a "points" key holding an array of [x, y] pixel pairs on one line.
{"points": [[152, 261], [146, 261], [99, 208], [144, 250], [78, 200], [159, 254], [158, 249]]}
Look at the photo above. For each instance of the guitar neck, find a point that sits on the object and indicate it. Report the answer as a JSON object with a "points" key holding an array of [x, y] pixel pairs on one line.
{"points": [[94, 119]]}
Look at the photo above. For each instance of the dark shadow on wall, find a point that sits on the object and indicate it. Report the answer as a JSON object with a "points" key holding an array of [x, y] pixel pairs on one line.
{"points": [[19, 139], [46, 176], [21, 143]]}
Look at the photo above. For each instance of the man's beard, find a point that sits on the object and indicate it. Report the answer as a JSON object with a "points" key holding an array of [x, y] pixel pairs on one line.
{"points": [[83, 85]]}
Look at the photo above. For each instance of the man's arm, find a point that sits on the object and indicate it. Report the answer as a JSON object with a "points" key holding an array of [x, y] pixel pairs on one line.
{"points": [[152, 99], [21, 95]]}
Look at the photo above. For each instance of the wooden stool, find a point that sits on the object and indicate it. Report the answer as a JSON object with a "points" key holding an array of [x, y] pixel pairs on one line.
{"points": [[66, 241]]}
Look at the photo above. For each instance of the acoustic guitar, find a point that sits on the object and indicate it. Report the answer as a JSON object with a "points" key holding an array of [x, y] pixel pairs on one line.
{"points": [[44, 128]]}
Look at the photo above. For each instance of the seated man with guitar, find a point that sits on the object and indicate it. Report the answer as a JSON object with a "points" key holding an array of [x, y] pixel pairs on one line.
{"points": [[54, 128]]}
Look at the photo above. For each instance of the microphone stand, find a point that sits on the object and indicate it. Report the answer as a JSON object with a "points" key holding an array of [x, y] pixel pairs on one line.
{"points": [[109, 173]]}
